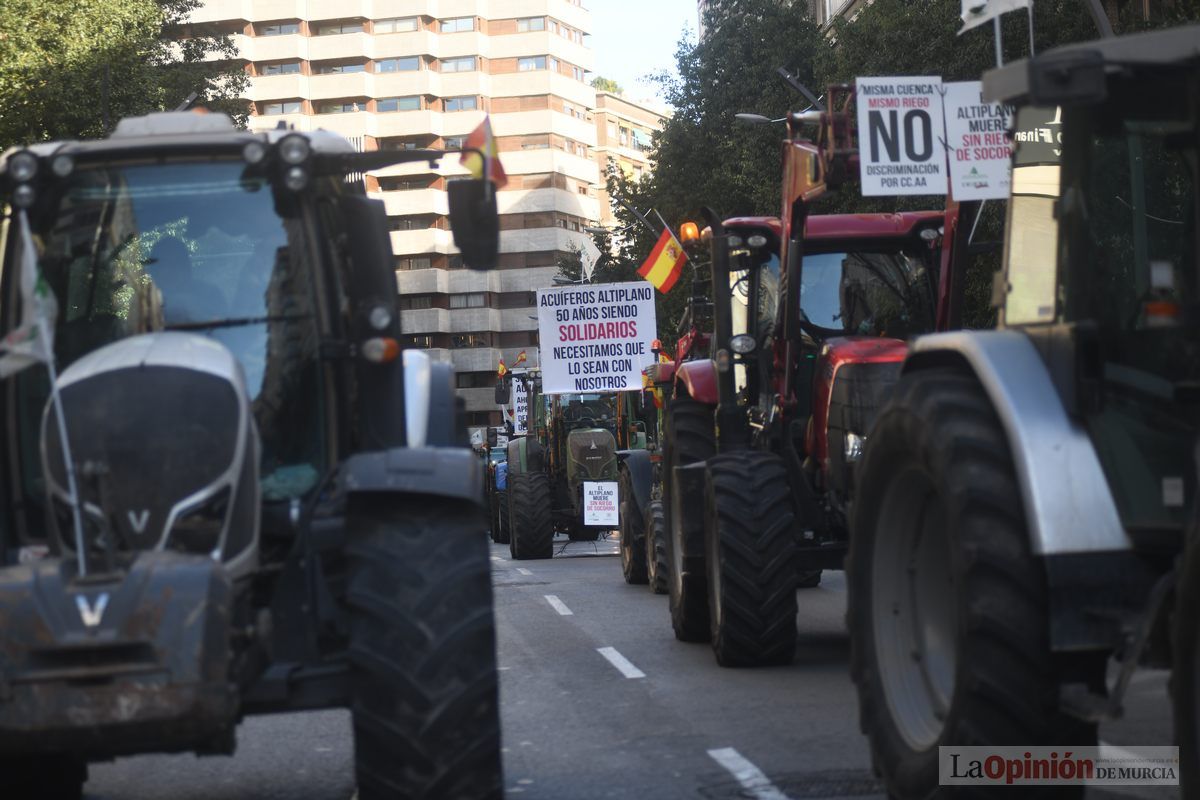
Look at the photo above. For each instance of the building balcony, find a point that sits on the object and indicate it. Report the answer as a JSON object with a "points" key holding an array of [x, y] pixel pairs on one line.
{"points": [[404, 84], [274, 48], [430, 240], [518, 319], [462, 44], [220, 10], [527, 280], [407, 43], [479, 399], [462, 281], [337, 9], [425, 320], [540, 82], [537, 162], [342, 45], [477, 359], [422, 281], [301, 122], [540, 240], [468, 320], [278, 87], [407, 123], [524, 123], [532, 201], [328, 87], [415, 201]]}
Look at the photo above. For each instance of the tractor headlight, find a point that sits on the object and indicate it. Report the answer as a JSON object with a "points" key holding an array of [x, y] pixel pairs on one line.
{"points": [[198, 530], [757, 240], [23, 196], [294, 149], [62, 165], [22, 166], [742, 344], [854, 446]]}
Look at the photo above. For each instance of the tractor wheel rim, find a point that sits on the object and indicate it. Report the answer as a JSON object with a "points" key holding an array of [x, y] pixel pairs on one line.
{"points": [[914, 609]]}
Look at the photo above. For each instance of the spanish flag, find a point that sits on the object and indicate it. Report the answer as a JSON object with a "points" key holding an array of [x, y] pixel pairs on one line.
{"points": [[487, 165], [665, 262], [520, 359], [501, 370]]}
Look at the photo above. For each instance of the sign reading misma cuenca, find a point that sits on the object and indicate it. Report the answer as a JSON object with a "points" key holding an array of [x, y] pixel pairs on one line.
{"points": [[900, 136], [595, 338]]}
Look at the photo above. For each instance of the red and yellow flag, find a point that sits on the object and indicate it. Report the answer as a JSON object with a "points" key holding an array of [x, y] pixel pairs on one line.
{"points": [[487, 165], [520, 359], [665, 263], [501, 370]]}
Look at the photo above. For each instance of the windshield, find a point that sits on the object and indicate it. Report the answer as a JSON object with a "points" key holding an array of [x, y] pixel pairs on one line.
{"points": [[588, 410], [884, 292], [198, 247]]}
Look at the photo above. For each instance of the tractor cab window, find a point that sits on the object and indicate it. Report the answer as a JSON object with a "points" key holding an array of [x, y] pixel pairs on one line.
{"points": [[194, 246], [754, 289], [588, 411], [1031, 249], [869, 292]]}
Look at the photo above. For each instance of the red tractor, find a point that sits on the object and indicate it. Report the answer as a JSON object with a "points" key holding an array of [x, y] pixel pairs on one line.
{"points": [[763, 437]]}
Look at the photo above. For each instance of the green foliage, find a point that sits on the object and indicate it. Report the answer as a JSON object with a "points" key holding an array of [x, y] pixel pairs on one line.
{"points": [[66, 68], [602, 84]]}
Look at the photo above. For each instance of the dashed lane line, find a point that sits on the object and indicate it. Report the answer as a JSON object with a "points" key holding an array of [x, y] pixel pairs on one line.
{"points": [[559, 605], [620, 662], [752, 779]]}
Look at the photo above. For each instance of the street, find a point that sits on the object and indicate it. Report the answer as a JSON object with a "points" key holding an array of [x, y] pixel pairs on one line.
{"points": [[600, 701]]}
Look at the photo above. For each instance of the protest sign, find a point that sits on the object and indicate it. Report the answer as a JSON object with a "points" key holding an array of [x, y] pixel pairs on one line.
{"points": [[595, 338], [519, 402], [600, 503], [979, 149], [900, 136]]}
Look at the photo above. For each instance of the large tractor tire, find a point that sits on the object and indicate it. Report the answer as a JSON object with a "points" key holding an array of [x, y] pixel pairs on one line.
{"points": [[1185, 671], [750, 550], [43, 777], [658, 563], [424, 707], [633, 534], [501, 529], [947, 607], [690, 440], [530, 518]]}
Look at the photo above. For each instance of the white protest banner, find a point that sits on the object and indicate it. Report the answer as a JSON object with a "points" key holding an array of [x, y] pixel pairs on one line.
{"points": [[595, 338], [980, 152], [600, 503], [519, 402], [899, 136]]}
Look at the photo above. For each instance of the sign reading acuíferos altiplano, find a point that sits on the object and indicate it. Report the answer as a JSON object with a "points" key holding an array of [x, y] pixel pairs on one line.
{"points": [[899, 136], [595, 338], [519, 402], [980, 153]]}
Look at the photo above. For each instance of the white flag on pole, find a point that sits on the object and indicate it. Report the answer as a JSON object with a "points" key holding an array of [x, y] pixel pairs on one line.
{"points": [[32, 341], [977, 12]]}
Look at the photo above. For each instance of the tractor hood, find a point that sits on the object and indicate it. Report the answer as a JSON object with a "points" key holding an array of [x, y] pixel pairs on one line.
{"points": [[592, 455], [165, 448]]}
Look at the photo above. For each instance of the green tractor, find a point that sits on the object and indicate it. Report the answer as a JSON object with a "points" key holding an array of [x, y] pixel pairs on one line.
{"points": [[562, 475]]}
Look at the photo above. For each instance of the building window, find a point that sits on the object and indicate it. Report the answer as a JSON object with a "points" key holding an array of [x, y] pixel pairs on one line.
{"points": [[463, 64], [473, 300], [553, 26], [531, 24], [409, 64], [417, 262], [396, 25], [289, 68], [288, 107], [530, 63], [454, 142], [457, 25], [339, 69], [577, 73], [398, 104], [338, 107], [336, 28], [454, 262], [460, 340], [418, 340], [281, 29], [416, 303], [461, 103]]}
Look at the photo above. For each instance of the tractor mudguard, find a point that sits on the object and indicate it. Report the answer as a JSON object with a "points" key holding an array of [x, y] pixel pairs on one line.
{"points": [[697, 380], [453, 472], [1068, 504], [641, 475], [108, 665]]}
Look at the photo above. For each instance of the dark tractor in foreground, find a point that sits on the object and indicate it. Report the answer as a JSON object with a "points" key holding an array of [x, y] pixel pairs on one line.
{"points": [[266, 506], [1025, 531]]}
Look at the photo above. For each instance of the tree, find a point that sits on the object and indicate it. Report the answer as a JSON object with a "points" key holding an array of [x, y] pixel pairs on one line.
{"points": [[602, 84], [70, 70]]}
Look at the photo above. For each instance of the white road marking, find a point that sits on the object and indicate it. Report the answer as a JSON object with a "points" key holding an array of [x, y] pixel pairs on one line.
{"points": [[559, 605], [752, 779], [523, 571], [620, 662], [497, 558]]}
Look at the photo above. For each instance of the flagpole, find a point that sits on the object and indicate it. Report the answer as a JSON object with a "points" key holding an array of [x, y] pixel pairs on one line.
{"points": [[65, 446], [999, 41]]}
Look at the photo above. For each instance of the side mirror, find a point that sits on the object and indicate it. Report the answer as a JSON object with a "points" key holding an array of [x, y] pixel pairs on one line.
{"points": [[502, 393], [474, 221]]}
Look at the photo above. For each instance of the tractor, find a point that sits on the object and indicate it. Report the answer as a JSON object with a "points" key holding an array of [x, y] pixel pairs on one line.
{"points": [[1025, 523], [571, 447], [239, 495]]}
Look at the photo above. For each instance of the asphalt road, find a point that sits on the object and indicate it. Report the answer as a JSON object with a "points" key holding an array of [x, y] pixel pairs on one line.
{"points": [[600, 701]]}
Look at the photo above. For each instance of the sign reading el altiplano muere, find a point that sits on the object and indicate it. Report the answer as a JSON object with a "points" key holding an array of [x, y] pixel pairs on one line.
{"points": [[979, 149], [595, 338]]}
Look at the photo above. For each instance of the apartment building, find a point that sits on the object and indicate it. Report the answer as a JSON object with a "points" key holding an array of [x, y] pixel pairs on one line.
{"points": [[624, 131], [406, 74], [825, 12]]}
